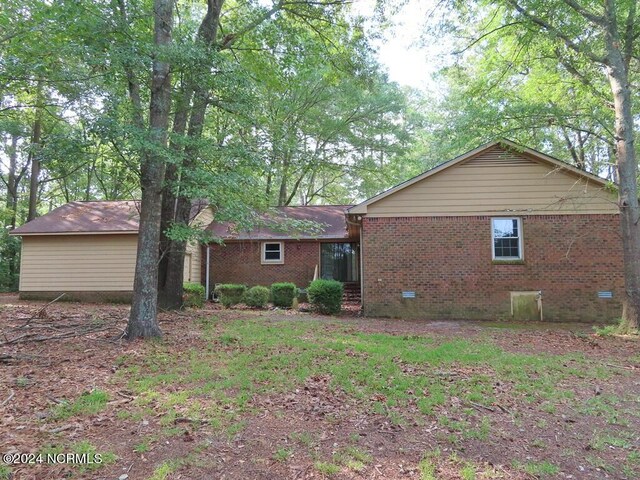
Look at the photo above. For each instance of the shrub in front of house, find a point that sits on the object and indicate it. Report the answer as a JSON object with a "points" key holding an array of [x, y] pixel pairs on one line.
{"points": [[326, 296], [230, 294], [282, 294], [193, 295], [257, 297]]}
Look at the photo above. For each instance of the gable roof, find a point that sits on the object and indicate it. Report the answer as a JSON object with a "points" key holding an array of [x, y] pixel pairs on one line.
{"points": [[332, 217], [508, 145], [93, 217]]}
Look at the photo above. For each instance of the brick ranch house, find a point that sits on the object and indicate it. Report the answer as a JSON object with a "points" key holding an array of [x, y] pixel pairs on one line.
{"points": [[499, 232]]}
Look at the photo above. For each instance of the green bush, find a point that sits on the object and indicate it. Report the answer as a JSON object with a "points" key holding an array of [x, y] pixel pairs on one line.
{"points": [[193, 295], [282, 294], [230, 294], [257, 297], [326, 296]]}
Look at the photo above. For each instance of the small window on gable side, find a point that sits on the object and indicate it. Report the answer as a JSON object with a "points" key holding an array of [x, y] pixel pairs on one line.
{"points": [[272, 253], [506, 238]]}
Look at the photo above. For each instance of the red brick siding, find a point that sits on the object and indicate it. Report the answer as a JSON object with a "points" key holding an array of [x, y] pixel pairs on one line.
{"points": [[447, 261], [240, 262]]}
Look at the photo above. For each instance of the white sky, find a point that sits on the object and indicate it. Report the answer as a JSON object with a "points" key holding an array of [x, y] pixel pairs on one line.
{"points": [[410, 56]]}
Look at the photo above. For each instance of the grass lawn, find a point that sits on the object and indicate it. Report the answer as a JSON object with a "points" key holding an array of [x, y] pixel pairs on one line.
{"points": [[242, 394]]}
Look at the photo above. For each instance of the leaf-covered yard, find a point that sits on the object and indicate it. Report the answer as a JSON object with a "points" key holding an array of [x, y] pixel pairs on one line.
{"points": [[248, 394]]}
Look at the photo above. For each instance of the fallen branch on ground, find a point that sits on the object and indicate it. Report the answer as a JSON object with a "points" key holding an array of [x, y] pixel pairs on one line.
{"points": [[33, 337], [190, 420], [479, 406], [8, 399], [39, 312]]}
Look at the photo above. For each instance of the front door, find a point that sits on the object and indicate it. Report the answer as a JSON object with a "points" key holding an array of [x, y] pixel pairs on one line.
{"points": [[340, 261]]}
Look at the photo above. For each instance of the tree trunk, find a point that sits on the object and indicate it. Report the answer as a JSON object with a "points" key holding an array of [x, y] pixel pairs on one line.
{"points": [[167, 301], [627, 198], [177, 208], [171, 292], [282, 192], [12, 249], [12, 183], [34, 162], [617, 70], [142, 319]]}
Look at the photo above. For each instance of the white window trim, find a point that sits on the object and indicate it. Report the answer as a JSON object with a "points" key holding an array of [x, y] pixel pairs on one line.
{"points": [[263, 249], [520, 242]]}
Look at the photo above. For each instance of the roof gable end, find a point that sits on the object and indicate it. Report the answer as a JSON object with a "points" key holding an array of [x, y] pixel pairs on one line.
{"points": [[508, 163]]}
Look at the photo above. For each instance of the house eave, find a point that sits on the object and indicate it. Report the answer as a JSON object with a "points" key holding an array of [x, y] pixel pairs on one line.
{"points": [[58, 234]]}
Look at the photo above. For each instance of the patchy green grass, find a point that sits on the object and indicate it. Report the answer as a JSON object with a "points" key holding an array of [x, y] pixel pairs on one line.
{"points": [[459, 384], [276, 394], [427, 469], [89, 457], [5, 472], [327, 468], [387, 372], [89, 403], [163, 471], [88, 450], [282, 454], [353, 458], [541, 469]]}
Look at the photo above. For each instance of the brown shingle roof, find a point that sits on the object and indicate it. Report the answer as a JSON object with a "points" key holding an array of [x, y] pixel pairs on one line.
{"points": [[331, 216], [120, 216]]}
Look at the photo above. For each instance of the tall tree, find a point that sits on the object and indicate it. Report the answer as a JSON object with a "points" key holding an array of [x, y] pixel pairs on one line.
{"points": [[191, 108], [142, 319], [200, 86]]}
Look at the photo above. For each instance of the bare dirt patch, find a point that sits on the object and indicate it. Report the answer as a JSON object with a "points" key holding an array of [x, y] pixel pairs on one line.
{"points": [[282, 394]]}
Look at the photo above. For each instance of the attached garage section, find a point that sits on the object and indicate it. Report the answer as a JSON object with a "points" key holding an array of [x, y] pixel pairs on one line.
{"points": [[82, 266], [87, 250]]}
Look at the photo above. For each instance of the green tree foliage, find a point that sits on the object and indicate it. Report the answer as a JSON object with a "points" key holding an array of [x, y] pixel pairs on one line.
{"points": [[330, 119], [271, 103], [509, 81]]}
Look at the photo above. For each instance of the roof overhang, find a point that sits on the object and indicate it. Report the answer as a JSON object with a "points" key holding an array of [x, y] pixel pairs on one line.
{"points": [[74, 234]]}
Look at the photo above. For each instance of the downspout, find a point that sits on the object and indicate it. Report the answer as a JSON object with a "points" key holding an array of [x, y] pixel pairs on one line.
{"points": [[206, 275]]}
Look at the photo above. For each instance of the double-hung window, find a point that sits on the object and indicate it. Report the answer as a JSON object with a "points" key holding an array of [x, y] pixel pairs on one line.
{"points": [[272, 253], [506, 238]]}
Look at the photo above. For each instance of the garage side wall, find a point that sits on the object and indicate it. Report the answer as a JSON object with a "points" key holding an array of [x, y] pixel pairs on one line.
{"points": [[447, 262], [83, 264]]}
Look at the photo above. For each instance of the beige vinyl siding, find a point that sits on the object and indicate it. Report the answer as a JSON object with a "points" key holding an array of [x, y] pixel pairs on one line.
{"points": [[497, 182], [194, 250], [186, 273], [58, 263]]}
